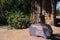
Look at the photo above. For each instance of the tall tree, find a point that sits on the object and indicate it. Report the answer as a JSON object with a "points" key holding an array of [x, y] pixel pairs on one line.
{"points": [[36, 11], [53, 16]]}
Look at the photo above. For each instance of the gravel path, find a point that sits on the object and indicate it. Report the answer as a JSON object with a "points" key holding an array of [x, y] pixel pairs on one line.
{"points": [[14, 34]]}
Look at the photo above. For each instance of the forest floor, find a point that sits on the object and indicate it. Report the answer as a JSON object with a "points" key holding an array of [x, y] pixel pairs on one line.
{"points": [[23, 34]]}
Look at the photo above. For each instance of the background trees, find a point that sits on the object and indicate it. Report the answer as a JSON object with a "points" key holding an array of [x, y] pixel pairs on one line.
{"points": [[58, 8], [11, 7], [14, 10]]}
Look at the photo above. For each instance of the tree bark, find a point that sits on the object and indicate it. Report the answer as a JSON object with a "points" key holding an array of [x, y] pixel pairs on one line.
{"points": [[53, 16], [35, 11], [43, 10], [47, 11]]}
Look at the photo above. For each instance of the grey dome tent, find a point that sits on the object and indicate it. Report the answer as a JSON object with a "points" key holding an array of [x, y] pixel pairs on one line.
{"points": [[43, 30]]}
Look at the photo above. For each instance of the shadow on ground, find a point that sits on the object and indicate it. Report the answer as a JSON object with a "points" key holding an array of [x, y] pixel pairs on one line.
{"points": [[57, 22], [55, 37]]}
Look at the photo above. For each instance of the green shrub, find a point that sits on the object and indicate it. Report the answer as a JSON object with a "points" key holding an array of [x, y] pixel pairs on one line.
{"points": [[3, 19], [18, 20]]}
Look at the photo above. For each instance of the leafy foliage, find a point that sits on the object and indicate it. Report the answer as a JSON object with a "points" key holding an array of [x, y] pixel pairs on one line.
{"points": [[18, 20], [23, 5], [17, 12], [57, 9]]}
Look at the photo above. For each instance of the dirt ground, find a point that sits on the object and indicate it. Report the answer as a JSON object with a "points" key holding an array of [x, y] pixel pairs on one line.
{"points": [[14, 34]]}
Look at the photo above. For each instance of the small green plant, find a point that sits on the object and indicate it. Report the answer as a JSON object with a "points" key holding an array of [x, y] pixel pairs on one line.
{"points": [[18, 20]]}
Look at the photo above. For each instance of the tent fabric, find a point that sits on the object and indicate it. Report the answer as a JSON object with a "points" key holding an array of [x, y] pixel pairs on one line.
{"points": [[42, 30]]}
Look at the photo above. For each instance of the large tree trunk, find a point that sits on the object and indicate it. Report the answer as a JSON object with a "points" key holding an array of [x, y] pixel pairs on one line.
{"points": [[43, 11], [53, 16], [47, 11], [35, 11]]}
